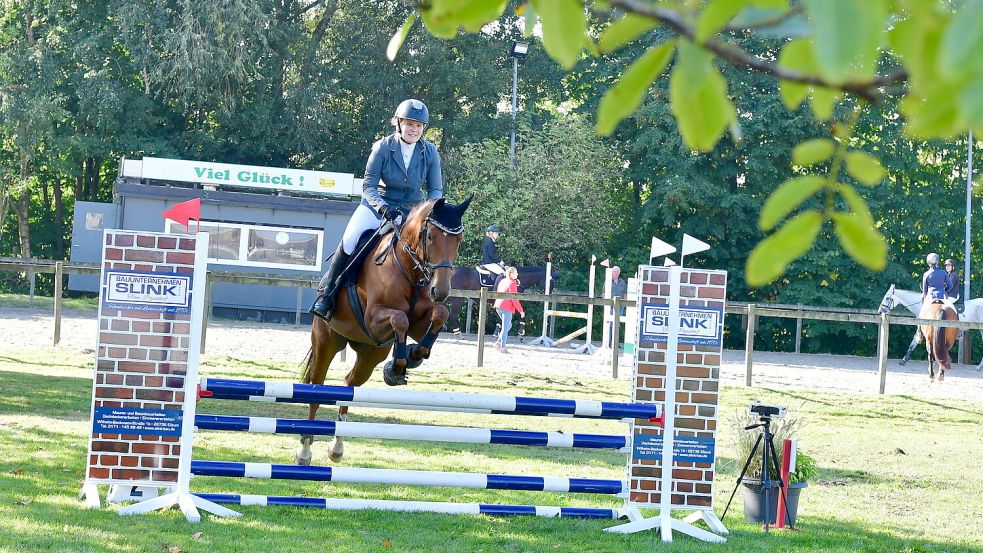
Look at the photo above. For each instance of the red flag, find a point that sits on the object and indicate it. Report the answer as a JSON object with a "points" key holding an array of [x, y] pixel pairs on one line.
{"points": [[184, 211]]}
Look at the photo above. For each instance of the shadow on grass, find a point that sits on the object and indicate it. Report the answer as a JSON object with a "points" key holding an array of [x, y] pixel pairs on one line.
{"points": [[64, 398], [45, 363]]}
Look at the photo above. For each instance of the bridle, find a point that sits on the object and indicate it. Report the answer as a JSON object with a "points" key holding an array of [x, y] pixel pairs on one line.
{"points": [[421, 262]]}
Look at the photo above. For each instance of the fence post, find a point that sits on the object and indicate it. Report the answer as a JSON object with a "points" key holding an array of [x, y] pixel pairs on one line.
{"points": [[300, 298], [798, 332], [31, 280], [467, 320], [59, 271], [208, 311], [482, 309], [615, 337], [883, 333], [752, 322]]}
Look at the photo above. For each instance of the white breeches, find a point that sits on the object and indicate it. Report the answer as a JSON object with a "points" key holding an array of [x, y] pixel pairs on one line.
{"points": [[362, 220]]}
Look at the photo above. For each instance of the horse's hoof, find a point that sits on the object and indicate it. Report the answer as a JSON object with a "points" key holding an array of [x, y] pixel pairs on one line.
{"points": [[902, 363], [391, 377], [336, 456], [302, 461], [941, 377]]}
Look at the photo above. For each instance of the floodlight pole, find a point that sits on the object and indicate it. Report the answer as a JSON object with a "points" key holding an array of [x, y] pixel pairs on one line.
{"points": [[515, 86]]}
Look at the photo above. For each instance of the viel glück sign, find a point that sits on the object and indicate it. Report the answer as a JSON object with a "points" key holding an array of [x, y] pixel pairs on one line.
{"points": [[698, 326]]}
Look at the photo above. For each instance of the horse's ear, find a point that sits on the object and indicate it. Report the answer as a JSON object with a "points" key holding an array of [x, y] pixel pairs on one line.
{"points": [[439, 203], [463, 206]]}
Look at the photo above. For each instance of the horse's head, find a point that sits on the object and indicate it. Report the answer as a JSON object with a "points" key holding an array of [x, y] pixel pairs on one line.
{"points": [[433, 230], [888, 303]]}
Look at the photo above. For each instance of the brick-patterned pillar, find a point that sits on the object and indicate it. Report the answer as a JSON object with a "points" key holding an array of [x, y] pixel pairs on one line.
{"points": [[696, 390], [146, 357]]}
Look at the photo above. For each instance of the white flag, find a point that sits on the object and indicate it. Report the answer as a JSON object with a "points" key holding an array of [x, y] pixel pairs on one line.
{"points": [[660, 248], [692, 245]]}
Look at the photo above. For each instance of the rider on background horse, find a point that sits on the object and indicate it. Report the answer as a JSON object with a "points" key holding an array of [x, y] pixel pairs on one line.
{"points": [[935, 281], [490, 260], [400, 167], [953, 293]]}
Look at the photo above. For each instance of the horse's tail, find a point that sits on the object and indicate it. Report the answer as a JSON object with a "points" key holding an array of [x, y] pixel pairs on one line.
{"points": [[939, 345], [305, 374]]}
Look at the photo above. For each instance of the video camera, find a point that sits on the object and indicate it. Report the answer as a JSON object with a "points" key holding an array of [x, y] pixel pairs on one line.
{"points": [[758, 409]]}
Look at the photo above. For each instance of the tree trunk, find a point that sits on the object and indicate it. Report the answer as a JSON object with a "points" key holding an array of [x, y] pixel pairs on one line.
{"points": [[93, 171], [80, 183], [59, 222], [22, 207]]}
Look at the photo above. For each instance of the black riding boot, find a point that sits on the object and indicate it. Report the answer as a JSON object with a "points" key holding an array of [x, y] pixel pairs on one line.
{"points": [[324, 305]]}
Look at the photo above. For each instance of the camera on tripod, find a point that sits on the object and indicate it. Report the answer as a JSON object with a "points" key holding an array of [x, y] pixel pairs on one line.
{"points": [[758, 409]]}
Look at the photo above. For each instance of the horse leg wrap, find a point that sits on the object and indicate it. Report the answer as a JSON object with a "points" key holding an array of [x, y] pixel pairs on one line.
{"points": [[428, 339], [389, 374]]}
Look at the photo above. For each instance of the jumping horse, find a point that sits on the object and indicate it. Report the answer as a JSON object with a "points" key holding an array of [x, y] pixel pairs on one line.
{"points": [[938, 340], [398, 292]]}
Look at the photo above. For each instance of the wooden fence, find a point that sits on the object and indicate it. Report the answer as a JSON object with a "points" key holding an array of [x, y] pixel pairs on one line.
{"points": [[751, 311]]}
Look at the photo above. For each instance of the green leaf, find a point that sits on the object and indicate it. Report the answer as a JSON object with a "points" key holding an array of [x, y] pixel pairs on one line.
{"points": [[848, 35], [396, 42], [787, 197], [865, 245], [812, 151], [625, 30], [472, 15], [591, 47], [530, 17], [622, 99], [699, 98], [440, 28], [564, 25], [715, 17], [823, 101], [796, 55], [963, 41], [864, 167], [772, 255], [770, 4], [856, 203]]}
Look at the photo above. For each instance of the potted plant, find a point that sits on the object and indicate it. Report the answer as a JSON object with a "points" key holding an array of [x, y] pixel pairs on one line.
{"points": [[805, 467]]}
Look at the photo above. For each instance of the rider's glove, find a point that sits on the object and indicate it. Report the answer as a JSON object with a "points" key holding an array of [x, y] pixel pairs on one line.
{"points": [[389, 213]]}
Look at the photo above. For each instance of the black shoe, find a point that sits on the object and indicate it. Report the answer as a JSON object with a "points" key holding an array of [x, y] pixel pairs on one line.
{"points": [[324, 305]]}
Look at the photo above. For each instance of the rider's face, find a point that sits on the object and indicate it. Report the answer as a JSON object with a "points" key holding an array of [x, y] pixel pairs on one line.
{"points": [[410, 131], [494, 236]]}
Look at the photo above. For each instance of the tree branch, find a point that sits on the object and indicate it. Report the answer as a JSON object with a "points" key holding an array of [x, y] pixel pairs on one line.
{"points": [[737, 57], [777, 19]]}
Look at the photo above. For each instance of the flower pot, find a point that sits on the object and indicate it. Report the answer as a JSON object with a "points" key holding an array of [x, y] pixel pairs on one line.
{"points": [[754, 498]]}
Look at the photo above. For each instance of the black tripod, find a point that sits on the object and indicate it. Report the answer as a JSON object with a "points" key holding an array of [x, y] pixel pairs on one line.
{"points": [[769, 457]]}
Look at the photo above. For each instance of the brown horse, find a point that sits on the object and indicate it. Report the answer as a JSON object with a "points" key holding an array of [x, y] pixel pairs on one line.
{"points": [[938, 340], [398, 293]]}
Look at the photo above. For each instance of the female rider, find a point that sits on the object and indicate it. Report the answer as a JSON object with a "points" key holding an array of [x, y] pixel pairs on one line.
{"points": [[400, 168]]}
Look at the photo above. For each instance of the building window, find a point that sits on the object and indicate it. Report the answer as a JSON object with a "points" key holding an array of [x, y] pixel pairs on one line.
{"points": [[259, 246]]}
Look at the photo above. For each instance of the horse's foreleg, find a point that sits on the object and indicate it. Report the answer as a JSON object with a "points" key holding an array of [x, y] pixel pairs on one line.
{"points": [[917, 339], [438, 317], [394, 373], [337, 449]]}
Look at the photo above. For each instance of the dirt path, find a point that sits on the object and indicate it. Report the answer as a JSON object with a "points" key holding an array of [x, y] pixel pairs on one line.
{"points": [[32, 329]]}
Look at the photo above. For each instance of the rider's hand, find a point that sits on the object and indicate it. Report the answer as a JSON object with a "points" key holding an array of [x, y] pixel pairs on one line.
{"points": [[389, 213]]}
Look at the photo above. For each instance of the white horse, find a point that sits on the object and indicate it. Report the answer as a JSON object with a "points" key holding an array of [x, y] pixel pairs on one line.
{"points": [[912, 301]]}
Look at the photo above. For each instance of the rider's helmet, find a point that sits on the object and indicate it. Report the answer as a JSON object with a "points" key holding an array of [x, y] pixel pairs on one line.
{"points": [[950, 262], [412, 109], [494, 228], [932, 259]]}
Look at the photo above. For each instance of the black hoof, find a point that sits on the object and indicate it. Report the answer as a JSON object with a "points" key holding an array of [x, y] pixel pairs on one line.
{"points": [[902, 363], [412, 363], [391, 377]]}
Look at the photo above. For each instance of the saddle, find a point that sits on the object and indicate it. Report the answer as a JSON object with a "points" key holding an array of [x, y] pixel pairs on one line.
{"points": [[486, 278], [363, 248]]}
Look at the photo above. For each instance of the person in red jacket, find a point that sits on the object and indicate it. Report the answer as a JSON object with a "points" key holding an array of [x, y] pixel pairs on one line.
{"points": [[508, 307]]}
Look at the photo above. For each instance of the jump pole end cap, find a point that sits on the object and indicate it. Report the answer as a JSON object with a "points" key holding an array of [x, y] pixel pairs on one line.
{"points": [[660, 420], [202, 393]]}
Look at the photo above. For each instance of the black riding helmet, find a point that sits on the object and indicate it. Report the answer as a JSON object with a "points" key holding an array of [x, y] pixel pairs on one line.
{"points": [[413, 109], [494, 228]]}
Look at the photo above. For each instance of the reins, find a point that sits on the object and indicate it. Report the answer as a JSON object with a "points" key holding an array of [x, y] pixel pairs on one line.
{"points": [[421, 261]]}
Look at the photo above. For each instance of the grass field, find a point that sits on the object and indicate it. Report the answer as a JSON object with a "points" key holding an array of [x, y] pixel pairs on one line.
{"points": [[897, 473]]}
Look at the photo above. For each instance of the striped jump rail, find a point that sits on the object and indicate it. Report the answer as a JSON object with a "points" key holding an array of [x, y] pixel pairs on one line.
{"points": [[453, 434], [444, 507], [357, 475], [514, 405]]}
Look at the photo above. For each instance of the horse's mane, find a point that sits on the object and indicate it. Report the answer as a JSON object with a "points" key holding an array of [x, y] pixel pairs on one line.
{"points": [[414, 223]]}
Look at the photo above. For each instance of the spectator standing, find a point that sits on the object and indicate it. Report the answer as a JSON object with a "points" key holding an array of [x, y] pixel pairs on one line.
{"points": [[506, 308]]}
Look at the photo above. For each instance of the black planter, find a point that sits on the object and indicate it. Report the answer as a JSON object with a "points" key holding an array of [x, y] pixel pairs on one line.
{"points": [[754, 498]]}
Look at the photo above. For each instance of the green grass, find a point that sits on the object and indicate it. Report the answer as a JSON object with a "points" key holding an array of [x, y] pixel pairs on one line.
{"points": [[46, 303], [869, 496]]}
